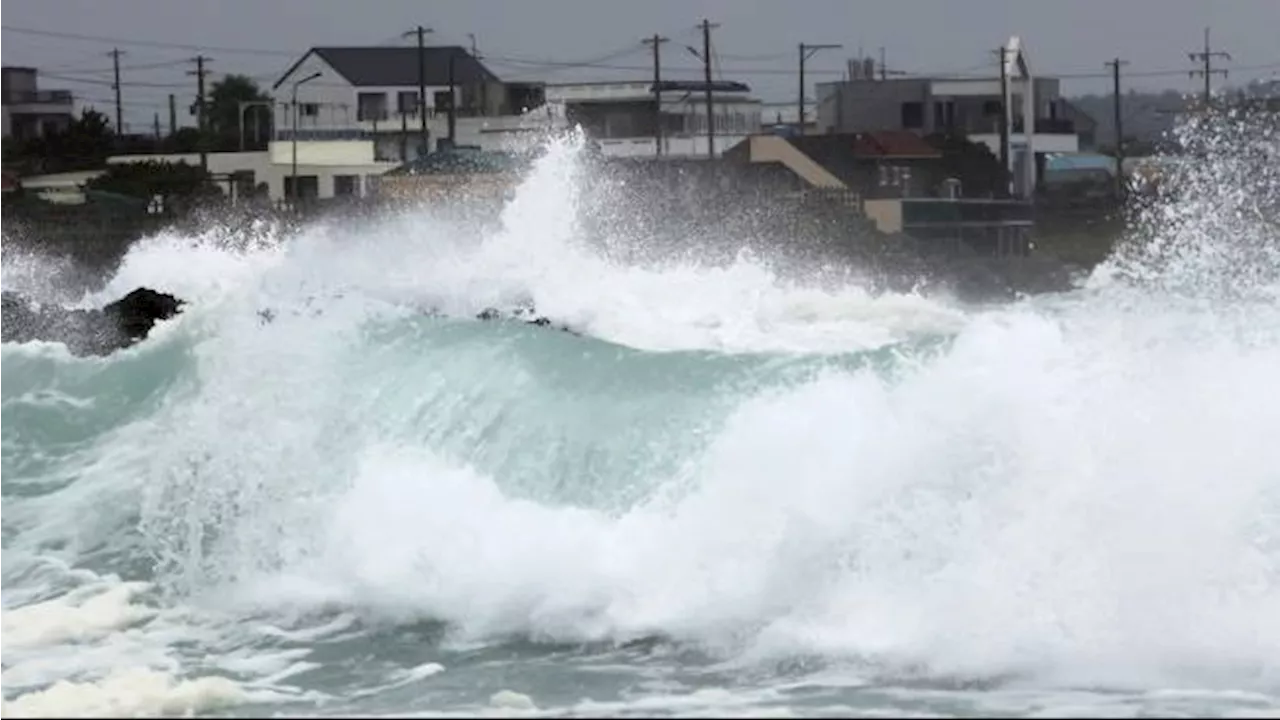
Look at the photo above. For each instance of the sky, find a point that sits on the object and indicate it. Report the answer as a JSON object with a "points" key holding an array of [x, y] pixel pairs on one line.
{"points": [[580, 40]]}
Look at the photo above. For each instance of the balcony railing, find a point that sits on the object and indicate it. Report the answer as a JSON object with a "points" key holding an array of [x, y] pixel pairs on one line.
{"points": [[41, 97], [1045, 126]]}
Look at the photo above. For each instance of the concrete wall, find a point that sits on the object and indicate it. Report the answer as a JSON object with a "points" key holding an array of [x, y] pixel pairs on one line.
{"points": [[1044, 143], [323, 161], [886, 214], [682, 146], [866, 105]]}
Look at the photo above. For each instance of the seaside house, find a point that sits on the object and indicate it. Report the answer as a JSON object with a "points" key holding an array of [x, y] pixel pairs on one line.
{"points": [[29, 111], [625, 120], [1038, 119], [373, 94], [901, 183]]}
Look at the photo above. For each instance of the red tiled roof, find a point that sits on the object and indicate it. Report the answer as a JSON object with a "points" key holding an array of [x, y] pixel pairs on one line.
{"points": [[892, 143]]}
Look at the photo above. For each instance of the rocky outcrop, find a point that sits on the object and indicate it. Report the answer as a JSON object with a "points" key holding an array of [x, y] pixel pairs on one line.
{"points": [[101, 331]]}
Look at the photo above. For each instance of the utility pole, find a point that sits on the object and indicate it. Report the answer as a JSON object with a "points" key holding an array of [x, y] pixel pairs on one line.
{"points": [[199, 72], [656, 41], [156, 125], [421, 32], [1002, 53], [884, 72], [1207, 56], [115, 66], [705, 57], [173, 115], [484, 86], [1115, 93], [806, 52], [453, 103], [404, 136]]}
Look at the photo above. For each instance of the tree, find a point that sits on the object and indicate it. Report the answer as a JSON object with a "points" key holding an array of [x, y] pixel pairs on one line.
{"points": [[973, 164], [184, 140], [85, 144], [146, 180], [225, 98]]}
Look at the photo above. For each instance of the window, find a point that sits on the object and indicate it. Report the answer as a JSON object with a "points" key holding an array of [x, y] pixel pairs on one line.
{"points": [[309, 110], [346, 185], [371, 107], [407, 102], [912, 115], [308, 187], [443, 100], [894, 176], [944, 113]]}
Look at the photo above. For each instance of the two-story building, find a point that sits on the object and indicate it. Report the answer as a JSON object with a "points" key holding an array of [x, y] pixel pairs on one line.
{"points": [[624, 120], [1032, 109], [29, 111], [372, 93]]}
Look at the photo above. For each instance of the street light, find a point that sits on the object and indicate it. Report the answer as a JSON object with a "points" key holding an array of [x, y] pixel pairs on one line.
{"points": [[293, 175]]}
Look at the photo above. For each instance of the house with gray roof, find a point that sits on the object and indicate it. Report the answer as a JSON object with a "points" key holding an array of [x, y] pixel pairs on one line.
{"points": [[372, 93]]}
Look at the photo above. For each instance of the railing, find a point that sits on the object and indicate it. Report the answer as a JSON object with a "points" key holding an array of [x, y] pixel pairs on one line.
{"points": [[34, 97], [321, 134], [1055, 126], [382, 115], [991, 125]]}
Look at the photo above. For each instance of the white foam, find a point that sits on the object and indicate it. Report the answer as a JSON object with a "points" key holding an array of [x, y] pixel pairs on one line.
{"points": [[74, 617], [1078, 491], [133, 692]]}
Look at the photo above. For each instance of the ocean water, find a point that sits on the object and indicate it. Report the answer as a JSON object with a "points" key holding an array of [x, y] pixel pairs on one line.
{"points": [[737, 493]]}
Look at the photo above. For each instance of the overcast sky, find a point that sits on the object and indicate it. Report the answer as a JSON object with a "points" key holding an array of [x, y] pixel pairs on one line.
{"points": [[524, 39]]}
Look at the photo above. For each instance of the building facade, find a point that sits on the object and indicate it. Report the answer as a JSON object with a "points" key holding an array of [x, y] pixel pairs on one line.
{"points": [[1038, 119], [29, 111], [623, 120], [372, 94]]}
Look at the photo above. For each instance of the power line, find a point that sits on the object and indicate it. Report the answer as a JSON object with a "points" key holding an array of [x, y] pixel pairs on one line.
{"points": [[602, 62], [108, 83], [165, 65], [143, 43]]}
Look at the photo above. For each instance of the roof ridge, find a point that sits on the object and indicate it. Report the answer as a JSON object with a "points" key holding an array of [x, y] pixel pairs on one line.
{"points": [[390, 47]]}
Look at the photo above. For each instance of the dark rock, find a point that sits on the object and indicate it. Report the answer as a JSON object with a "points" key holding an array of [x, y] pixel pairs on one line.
{"points": [[115, 326], [525, 315]]}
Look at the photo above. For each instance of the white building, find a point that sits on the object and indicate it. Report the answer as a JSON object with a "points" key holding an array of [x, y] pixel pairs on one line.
{"points": [[29, 111], [620, 115], [326, 168], [372, 94]]}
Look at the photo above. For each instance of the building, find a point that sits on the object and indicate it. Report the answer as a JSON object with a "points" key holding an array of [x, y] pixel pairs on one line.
{"points": [[621, 116], [29, 111], [326, 168], [884, 164], [1038, 119], [372, 93], [902, 184]]}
